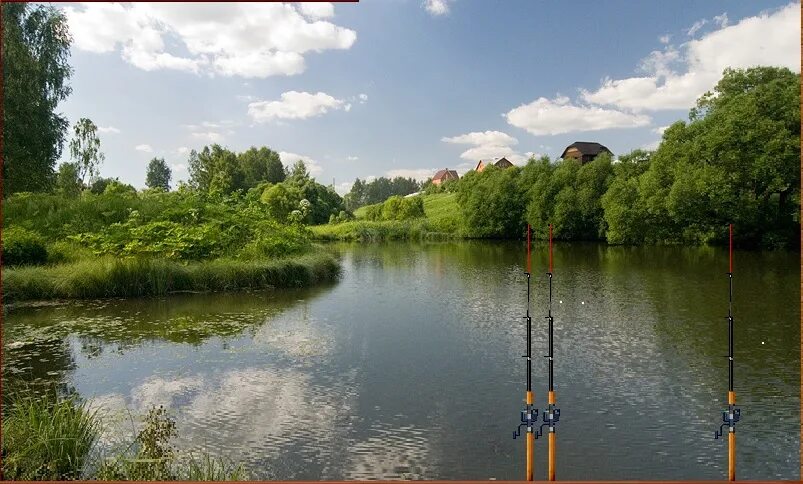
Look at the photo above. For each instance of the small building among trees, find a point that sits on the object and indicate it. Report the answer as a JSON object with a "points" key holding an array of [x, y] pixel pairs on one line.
{"points": [[444, 175], [584, 151], [497, 162]]}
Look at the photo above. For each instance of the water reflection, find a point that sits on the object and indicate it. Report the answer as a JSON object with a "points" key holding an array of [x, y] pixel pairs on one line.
{"points": [[410, 366]]}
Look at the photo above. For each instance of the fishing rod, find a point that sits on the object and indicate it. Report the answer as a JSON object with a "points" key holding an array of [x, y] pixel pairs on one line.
{"points": [[732, 414], [552, 413], [529, 415]]}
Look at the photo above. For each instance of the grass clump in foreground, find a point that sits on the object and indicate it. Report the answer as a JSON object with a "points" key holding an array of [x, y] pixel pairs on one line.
{"points": [[51, 438], [46, 438], [138, 276]]}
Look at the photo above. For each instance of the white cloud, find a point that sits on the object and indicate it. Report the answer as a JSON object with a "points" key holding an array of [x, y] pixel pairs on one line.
{"points": [[556, 116], [210, 136], [353, 158], [289, 159], [482, 138], [696, 27], [721, 20], [246, 98], [421, 174], [295, 105], [230, 39], [660, 129], [182, 150], [437, 7], [487, 144], [664, 39], [343, 188], [108, 129], [317, 10], [144, 148], [767, 39], [182, 167], [363, 98]]}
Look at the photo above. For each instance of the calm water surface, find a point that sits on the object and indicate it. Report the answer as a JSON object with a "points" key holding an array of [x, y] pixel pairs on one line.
{"points": [[410, 366]]}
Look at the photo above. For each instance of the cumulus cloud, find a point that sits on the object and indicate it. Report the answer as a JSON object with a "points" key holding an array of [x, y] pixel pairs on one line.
{"points": [[182, 150], [230, 39], [144, 148], [289, 159], [556, 116], [108, 129], [295, 105], [721, 20], [437, 7], [676, 78], [488, 144]]}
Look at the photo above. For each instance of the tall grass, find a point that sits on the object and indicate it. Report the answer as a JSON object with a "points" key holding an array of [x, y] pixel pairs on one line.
{"points": [[131, 277], [47, 438], [373, 231]]}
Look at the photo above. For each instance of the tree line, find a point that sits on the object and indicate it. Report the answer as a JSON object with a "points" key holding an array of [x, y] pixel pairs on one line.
{"points": [[737, 160]]}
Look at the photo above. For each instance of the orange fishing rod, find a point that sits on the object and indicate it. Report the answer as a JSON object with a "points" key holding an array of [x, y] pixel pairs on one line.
{"points": [[732, 414], [552, 413], [529, 415]]}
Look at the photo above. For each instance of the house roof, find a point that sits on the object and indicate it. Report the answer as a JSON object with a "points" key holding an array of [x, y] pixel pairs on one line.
{"points": [[445, 173], [586, 148], [490, 161]]}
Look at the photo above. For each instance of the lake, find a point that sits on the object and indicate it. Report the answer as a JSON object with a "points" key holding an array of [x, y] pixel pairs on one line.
{"points": [[410, 366]]}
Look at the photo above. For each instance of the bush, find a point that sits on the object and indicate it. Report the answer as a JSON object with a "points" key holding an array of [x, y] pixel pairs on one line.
{"points": [[23, 247]]}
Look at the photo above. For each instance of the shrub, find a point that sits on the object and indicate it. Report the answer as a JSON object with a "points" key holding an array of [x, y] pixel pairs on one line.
{"points": [[21, 246]]}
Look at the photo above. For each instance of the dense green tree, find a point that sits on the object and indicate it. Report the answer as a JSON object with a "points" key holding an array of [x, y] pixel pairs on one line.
{"points": [[281, 199], [736, 161], [491, 203], [85, 149], [379, 190], [36, 46], [158, 174], [99, 184], [624, 216], [67, 180], [260, 165], [215, 171]]}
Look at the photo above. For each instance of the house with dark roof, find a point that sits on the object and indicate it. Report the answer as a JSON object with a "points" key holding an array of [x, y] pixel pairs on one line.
{"points": [[584, 151], [497, 162], [444, 175]]}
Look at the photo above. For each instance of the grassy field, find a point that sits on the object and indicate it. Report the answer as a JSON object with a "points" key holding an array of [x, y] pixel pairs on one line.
{"points": [[130, 277], [442, 221]]}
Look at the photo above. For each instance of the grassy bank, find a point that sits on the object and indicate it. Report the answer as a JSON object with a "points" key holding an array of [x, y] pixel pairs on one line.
{"points": [[378, 231], [441, 221], [48, 437], [130, 277]]}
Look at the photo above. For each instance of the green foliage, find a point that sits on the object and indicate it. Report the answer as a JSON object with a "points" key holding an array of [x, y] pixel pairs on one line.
{"points": [[377, 191], [376, 231], [67, 180], [85, 149], [23, 247], [395, 208], [104, 277], [99, 184], [261, 165], [36, 46], [158, 174], [47, 438], [491, 203], [736, 161], [281, 199]]}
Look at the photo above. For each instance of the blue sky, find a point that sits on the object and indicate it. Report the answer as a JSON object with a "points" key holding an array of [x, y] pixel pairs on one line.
{"points": [[404, 87]]}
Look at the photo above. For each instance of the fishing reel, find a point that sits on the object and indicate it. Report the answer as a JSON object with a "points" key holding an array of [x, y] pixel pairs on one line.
{"points": [[528, 418], [729, 419], [551, 417]]}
